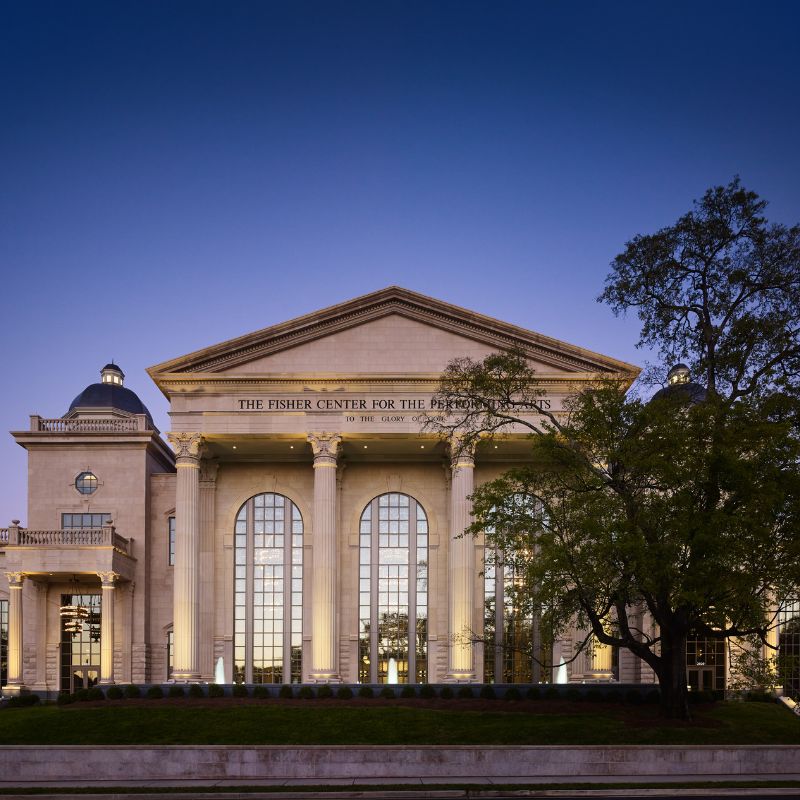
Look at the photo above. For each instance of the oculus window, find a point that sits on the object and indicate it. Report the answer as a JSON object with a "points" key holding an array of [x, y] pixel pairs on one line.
{"points": [[86, 483]]}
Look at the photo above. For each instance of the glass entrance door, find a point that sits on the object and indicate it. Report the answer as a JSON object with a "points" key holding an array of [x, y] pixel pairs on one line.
{"points": [[83, 678], [701, 679], [80, 649]]}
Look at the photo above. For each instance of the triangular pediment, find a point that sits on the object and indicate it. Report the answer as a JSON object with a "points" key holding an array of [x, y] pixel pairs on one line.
{"points": [[390, 331]]}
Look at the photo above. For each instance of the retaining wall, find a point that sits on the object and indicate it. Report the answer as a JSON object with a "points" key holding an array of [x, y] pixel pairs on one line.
{"points": [[86, 765]]}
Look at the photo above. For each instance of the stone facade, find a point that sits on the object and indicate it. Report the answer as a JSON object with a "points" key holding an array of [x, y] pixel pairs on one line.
{"points": [[325, 410]]}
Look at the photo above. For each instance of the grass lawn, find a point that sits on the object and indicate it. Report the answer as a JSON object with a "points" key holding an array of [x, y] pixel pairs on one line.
{"points": [[252, 722]]}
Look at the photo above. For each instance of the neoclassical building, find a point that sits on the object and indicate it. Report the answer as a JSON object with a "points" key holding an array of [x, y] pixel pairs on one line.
{"points": [[294, 525]]}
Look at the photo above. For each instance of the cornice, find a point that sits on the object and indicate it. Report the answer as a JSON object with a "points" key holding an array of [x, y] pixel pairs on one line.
{"points": [[305, 381], [393, 300]]}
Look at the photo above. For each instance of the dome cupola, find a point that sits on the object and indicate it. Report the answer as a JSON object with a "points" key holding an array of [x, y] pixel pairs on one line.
{"points": [[112, 374], [680, 386], [108, 398]]}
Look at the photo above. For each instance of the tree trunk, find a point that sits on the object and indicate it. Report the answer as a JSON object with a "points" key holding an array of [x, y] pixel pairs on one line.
{"points": [[672, 677]]}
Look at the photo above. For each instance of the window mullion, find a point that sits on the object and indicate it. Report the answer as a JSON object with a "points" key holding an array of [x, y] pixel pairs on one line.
{"points": [[248, 599], [374, 558], [288, 579]]}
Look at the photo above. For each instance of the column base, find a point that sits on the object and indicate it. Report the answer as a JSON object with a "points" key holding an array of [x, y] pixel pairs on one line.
{"points": [[186, 677], [107, 682], [324, 677], [460, 677], [14, 690]]}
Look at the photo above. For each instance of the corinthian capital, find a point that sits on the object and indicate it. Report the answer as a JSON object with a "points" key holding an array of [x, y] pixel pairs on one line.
{"points": [[325, 445], [187, 446], [462, 449], [108, 579], [15, 579]]}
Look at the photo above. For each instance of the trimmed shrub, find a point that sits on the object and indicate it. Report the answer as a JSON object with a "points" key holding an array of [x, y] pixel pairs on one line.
{"points": [[487, 693], [260, 692], [534, 693], [324, 692], [427, 691], [215, 690], [176, 691], [115, 693], [512, 694], [446, 693], [465, 692], [634, 697], [82, 695], [408, 691], [132, 691], [388, 693], [653, 697], [23, 700], [96, 693], [573, 695], [594, 696], [286, 692], [306, 693], [65, 699], [614, 696], [240, 690], [754, 696], [551, 693], [366, 691], [154, 693], [703, 696], [196, 690], [344, 693]]}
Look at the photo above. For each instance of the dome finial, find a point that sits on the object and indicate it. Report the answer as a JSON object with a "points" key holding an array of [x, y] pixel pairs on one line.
{"points": [[112, 374]]}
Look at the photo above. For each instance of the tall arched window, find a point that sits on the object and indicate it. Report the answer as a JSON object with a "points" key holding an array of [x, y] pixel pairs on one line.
{"points": [[393, 591], [512, 644], [268, 591]]}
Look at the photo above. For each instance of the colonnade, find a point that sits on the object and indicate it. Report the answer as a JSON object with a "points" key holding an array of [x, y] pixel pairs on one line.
{"points": [[15, 680], [324, 638]]}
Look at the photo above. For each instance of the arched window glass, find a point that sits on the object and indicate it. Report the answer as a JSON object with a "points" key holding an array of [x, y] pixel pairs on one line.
{"points": [[789, 647], [268, 591], [393, 591], [510, 632]]}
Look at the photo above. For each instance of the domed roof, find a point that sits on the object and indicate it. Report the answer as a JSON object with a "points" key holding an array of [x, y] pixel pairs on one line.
{"points": [[110, 394], [680, 387]]}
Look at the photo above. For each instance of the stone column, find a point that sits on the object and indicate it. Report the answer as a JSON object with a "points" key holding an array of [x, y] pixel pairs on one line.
{"points": [[461, 565], [186, 578], [15, 677], [108, 584], [323, 582]]}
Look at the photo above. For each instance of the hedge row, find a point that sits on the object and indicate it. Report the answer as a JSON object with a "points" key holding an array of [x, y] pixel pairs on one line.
{"points": [[425, 691]]}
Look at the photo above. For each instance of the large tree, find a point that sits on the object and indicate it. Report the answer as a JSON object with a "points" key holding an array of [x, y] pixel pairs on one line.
{"points": [[686, 506]]}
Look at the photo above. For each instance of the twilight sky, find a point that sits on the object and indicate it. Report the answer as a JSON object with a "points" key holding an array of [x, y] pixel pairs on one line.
{"points": [[173, 174]]}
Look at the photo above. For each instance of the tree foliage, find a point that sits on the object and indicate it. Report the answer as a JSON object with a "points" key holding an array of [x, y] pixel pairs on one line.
{"points": [[688, 510]]}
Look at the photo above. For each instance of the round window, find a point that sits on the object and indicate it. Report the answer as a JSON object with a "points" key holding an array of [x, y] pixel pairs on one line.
{"points": [[86, 483]]}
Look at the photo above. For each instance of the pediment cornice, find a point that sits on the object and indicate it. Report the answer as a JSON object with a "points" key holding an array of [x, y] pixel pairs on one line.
{"points": [[226, 356]]}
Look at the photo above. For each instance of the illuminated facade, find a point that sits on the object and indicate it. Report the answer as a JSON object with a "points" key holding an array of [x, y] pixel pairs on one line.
{"points": [[298, 527]]}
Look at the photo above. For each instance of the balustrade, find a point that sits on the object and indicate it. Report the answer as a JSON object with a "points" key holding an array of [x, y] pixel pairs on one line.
{"points": [[71, 537], [90, 424]]}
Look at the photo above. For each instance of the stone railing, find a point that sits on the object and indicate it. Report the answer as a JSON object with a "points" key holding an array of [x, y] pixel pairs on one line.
{"points": [[68, 537], [90, 424]]}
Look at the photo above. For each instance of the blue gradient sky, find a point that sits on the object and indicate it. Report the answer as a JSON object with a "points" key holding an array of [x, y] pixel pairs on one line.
{"points": [[175, 174]]}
